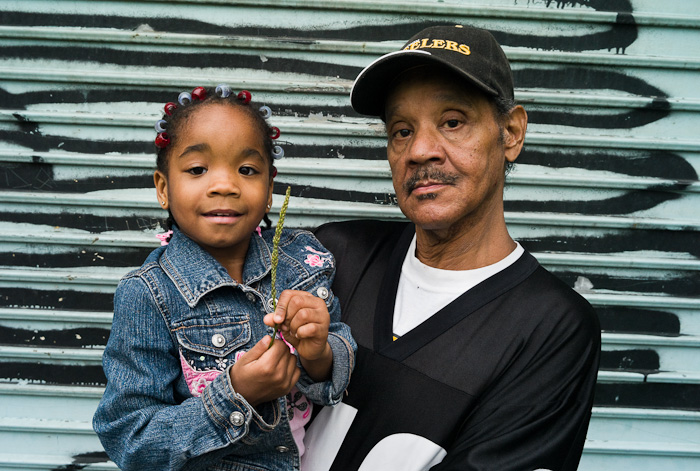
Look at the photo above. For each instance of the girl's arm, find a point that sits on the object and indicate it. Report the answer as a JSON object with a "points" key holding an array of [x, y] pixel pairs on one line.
{"points": [[146, 419], [342, 348]]}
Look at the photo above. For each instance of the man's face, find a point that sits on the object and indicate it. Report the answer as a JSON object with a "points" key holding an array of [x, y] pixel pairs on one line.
{"points": [[446, 152]]}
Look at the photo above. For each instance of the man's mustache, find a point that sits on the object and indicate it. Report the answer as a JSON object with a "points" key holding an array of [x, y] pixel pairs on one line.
{"points": [[428, 174]]}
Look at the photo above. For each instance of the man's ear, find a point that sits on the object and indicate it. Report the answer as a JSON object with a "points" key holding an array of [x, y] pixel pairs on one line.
{"points": [[514, 132], [161, 184]]}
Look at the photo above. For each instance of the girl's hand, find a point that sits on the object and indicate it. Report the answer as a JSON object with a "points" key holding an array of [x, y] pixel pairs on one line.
{"points": [[263, 374], [304, 320]]}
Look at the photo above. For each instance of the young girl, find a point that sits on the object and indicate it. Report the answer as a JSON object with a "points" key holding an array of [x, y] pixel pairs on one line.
{"points": [[193, 382]]}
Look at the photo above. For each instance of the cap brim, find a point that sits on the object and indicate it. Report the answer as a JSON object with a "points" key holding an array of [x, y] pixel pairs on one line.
{"points": [[372, 85]]}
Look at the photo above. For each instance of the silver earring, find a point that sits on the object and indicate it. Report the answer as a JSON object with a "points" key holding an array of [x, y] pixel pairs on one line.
{"points": [[162, 202]]}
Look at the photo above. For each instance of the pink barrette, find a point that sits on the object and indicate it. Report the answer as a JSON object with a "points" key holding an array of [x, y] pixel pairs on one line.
{"points": [[165, 237]]}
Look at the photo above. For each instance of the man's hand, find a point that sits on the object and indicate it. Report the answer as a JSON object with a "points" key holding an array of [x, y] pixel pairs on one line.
{"points": [[263, 374]]}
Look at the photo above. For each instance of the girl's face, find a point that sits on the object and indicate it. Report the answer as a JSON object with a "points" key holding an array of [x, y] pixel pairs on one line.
{"points": [[218, 185]]}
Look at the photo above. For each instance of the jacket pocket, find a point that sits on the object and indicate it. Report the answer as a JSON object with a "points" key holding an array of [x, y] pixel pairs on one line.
{"points": [[215, 337], [207, 348]]}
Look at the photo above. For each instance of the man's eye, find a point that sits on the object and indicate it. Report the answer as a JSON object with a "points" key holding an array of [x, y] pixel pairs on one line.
{"points": [[402, 133], [197, 170], [452, 123]]}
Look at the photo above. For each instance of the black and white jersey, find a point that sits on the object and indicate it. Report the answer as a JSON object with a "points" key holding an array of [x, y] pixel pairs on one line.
{"points": [[501, 378]]}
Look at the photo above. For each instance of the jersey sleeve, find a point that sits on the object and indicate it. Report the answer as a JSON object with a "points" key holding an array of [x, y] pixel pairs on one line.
{"points": [[340, 339], [534, 417]]}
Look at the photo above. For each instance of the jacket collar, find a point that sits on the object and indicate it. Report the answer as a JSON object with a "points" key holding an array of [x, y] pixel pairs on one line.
{"points": [[195, 272]]}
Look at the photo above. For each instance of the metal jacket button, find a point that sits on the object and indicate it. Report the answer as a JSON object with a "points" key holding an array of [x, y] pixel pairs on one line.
{"points": [[270, 304], [218, 340], [237, 419], [282, 449], [322, 292]]}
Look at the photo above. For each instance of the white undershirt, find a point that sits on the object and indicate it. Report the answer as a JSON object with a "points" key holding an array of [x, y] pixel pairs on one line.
{"points": [[424, 290]]}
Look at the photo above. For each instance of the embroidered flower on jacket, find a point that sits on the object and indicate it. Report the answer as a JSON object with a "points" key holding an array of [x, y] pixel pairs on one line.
{"points": [[197, 380], [317, 258], [313, 260]]}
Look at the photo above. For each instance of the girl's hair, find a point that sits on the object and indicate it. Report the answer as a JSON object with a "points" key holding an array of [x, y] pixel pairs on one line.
{"points": [[178, 115]]}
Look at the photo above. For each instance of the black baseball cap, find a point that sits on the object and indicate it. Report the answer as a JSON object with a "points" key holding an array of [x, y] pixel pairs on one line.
{"points": [[472, 53]]}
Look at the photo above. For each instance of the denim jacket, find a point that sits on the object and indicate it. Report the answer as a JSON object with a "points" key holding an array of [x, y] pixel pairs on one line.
{"points": [[179, 321]]}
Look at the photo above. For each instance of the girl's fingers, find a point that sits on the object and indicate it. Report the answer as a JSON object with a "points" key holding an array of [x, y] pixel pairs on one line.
{"points": [[290, 302]]}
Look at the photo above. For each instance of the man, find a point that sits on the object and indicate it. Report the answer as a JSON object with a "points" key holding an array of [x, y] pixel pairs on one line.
{"points": [[471, 355]]}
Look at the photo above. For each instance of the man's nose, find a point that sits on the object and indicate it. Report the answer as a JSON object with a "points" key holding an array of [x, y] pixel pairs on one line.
{"points": [[426, 146]]}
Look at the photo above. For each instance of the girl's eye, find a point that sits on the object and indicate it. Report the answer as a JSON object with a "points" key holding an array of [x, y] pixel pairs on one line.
{"points": [[197, 170], [247, 171]]}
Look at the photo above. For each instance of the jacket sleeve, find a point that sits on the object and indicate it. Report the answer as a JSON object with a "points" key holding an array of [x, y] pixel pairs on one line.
{"points": [[536, 415], [142, 420], [342, 344]]}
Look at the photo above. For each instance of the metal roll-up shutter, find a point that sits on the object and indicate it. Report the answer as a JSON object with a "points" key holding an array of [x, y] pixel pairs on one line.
{"points": [[605, 193]]}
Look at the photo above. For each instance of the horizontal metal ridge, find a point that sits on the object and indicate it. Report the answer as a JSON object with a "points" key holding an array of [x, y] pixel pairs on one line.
{"points": [[453, 10], [615, 261], [88, 355], [111, 36], [341, 210], [43, 235], [687, 341], [56, 315], [642, 448], [92, 392], [51, 390], [62, 236], [674, 377], [104, 276], [638, 300], [528, 97], [23, 462], [94, 354], [354, 128], [28, 424], [645, 414], [378, 169], [139, 79]]}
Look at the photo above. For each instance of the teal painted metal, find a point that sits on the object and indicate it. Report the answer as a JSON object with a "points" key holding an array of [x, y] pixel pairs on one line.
{"points": [[605, 193]]}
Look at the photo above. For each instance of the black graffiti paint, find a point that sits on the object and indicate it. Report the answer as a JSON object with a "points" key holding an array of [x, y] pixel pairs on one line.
{"points": [[619, 241], [67, 338], [52, 373], [77, 256], [616, 36], [648, 395], [633, 360], [38, 176], [83, 460], [634, 163], [17, 297], [631, 320], [680, 283]]}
